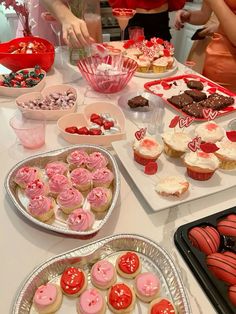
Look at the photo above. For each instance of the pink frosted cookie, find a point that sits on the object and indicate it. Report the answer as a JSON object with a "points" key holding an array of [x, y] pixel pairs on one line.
{"points": [[41, 207], [47, 298], [96, 160], [56, 167], [99, 199], [147, 286], [69, 199], [103, 274], [80, 220], [91, 301], [77, 158], [36, 188], [25, 175], [81, 179], [102, 177], [58, 183]]}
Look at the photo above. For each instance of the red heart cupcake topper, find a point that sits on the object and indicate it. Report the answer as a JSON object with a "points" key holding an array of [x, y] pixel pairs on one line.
{"points": [[174, 122], [194, 145], [140, 134], [231, 135], [208, 147], [185, 122], [209, 114]]}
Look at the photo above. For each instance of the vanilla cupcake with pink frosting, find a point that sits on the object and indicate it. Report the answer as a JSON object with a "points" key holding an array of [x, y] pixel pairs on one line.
{"points": [[103, 275], [56, 167], [99, 199], [147, 286], [41, 207], [69, 199], [26, 175], [91, 301], [96, 160], [80, 220], [58, 183], [47, 298], [210, 132], [102, 177], [81, 179], [36, 188], [77, 159]]}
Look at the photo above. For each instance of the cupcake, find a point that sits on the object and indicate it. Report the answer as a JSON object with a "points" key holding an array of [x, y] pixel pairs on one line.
{"points": [[226, 154], [69, 199], [200, 165], [146, 150], [81, 179], [159, 65], [175, 143], [143, 65], [121, 298], [172, 186], [99, 199], [96, 160], [102, 177], [56, 167], [210, 132], [36, 188], [58, 183], [128, 265], [147, 286], [91, 301], [42, 207], [47, 298], [73, 282], [26, 175], [103, 275], [80, 220], [161, 305], [77, 159]]}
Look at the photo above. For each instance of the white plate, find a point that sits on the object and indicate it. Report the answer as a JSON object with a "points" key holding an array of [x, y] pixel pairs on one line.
{"points": [[152, 75], [220, 181]]}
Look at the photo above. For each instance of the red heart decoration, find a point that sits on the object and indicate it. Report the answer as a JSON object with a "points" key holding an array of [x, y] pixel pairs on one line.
{"points": [[185, 122], [231, 135], [151, 167], [212, 90], [194, 145], [174, 122], [165, 85], [140, 134], [208, 147], [166, 52], [209, 114]]}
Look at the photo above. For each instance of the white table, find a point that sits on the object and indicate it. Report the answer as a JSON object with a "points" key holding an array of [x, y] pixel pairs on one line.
{"points": [[23, 246]]}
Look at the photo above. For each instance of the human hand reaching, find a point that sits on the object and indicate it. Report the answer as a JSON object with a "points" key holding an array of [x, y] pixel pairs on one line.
{"points": [[181, 17], [209, 30]]}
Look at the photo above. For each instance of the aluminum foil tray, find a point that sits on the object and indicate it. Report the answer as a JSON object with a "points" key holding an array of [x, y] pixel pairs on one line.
{"points": [[153, 257], [58, 224]]}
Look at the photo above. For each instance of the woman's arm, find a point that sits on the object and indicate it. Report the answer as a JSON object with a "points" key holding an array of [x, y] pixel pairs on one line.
{"points": [[74, 30]]}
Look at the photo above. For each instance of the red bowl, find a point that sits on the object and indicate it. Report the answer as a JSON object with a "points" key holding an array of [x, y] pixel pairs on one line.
{"points": [[19, 61]]}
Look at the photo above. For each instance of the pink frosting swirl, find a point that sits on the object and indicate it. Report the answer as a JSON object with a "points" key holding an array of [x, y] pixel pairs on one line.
{"points": [[45, 295], [26, 175], [80, 220], [91, 301], [35, 188], [70, 197], [96, 160], [103, 272], [77, 158], [40, 205], [98, 196], [56, 167], [103, 175], [80, 176], [147, 284], [58, 183]]}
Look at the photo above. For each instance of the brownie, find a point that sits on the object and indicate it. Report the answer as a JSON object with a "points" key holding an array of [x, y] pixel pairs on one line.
{"points": [[138, 101], [195, 110], [217, 101], [180, 100], [195, 85], [196, 94]]}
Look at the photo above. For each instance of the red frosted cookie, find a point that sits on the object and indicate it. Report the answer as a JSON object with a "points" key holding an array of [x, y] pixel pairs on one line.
{"points": [[232, 294], [223, 266], [227, 226], [121, 298], [128, 265], [205, 239], [161, 306], [73, 281]]}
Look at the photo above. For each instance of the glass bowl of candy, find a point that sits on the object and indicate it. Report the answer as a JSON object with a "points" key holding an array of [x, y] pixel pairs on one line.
{"points": [[22, 82], [100, 123], [26, 52], [54, 102], [109, 74]]}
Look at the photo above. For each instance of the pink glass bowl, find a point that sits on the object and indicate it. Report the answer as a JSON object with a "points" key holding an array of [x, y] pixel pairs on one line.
{"points": [[103, 82]]}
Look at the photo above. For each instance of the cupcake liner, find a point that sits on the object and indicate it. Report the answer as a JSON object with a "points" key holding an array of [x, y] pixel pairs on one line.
{"points": [[143, 69], [227, 164], [142, 160], [172, 152], [159, 68], [200, 176]]}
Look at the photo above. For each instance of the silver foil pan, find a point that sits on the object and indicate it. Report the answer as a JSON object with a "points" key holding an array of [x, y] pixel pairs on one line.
{"points": [[40, 161], [153, 257]]}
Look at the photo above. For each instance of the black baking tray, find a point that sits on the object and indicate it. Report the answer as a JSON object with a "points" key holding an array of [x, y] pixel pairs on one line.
{"points": [[215, 289]]}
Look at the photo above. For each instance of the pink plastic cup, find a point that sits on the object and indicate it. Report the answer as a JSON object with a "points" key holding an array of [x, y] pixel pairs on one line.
{"points": [[135, 32], [30, 132]]}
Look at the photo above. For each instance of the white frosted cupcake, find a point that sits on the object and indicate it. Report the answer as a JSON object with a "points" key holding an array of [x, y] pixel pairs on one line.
{"points": [[210, 132], [146, 150], [159, 65], [143, 65], [172, 186], [226, 154], [175, 143]]}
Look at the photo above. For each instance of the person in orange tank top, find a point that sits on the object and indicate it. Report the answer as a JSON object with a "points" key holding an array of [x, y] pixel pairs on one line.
{"points": [[220, 60]]}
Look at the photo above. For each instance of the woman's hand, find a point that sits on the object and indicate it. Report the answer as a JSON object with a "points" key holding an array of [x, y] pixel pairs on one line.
{"points": [[209, 30], [181, 17]]}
